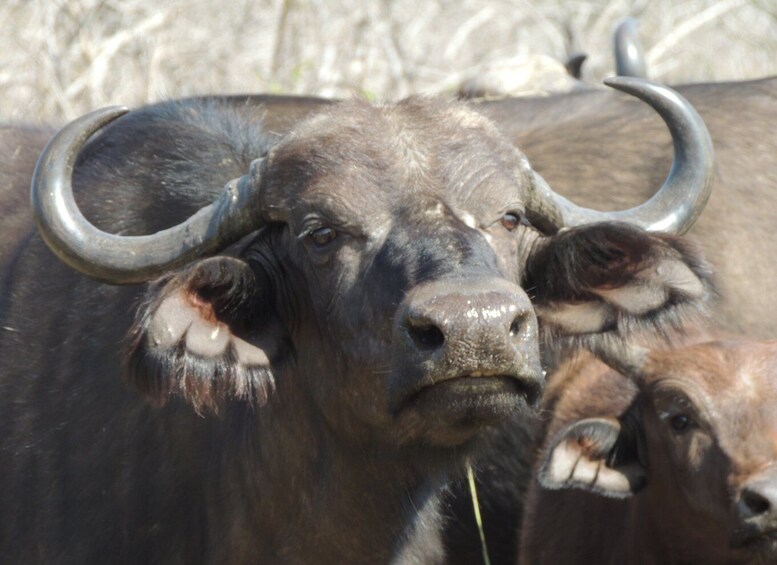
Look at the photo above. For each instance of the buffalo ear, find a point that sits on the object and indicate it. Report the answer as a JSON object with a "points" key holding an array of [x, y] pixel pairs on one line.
{"points": [[597, 455], [616, 277], [206, 333]]}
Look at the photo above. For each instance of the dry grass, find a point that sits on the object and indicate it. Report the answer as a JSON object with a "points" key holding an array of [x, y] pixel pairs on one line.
{"points": [[60, 58]]}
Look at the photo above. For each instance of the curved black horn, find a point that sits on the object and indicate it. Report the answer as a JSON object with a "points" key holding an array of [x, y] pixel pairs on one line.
{"points": [[682, 197], [629, 56], [127, 259]]}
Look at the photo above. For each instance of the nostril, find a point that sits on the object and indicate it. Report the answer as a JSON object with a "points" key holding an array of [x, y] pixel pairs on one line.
{"points": [[518, 327], [426, 336], [753, 503]]}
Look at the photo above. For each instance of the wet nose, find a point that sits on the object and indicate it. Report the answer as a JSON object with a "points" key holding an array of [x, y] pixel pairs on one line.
{"points": [[757, 506], [479, 328], [489, 318]]}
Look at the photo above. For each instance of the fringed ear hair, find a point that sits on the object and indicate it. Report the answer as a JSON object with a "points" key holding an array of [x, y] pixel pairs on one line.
{"points": [[612, 277], [201, 334]]}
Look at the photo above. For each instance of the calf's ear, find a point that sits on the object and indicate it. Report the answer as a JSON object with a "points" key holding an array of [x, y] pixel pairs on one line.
{"points": [[206, 333], [597, 455], [613, 277]]}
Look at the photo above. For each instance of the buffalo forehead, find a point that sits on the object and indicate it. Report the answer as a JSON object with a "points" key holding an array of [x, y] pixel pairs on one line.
{"points": [[736, 381], [741, 368], [378, 156]]}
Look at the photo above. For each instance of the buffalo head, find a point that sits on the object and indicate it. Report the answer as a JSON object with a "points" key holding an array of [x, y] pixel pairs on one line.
{"points": [[386, 265]]}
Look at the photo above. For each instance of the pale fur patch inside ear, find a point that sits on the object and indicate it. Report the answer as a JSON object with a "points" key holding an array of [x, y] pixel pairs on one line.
{"points": [[651, 288], [569, 468], [635, 297], [583, 317], [677, 275], [579, 457], [208, 340], [182, 317], [661, 296], [171, 320]]}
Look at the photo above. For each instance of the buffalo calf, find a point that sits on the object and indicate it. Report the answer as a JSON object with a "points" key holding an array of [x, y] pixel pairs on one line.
{"points": [[675, 462]]}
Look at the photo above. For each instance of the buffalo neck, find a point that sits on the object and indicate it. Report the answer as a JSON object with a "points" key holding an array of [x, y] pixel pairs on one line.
{"points": [[296, 492]]}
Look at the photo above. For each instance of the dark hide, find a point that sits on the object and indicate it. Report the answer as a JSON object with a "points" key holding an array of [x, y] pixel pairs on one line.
{"points": [[20, 146], [330, 411]]}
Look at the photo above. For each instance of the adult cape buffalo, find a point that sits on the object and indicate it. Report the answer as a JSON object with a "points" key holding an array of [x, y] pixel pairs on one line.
{"points": [[348, 314]]}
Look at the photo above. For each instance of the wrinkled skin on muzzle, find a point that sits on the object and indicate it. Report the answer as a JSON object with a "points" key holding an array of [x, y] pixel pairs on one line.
{"points": [[466, 349]]}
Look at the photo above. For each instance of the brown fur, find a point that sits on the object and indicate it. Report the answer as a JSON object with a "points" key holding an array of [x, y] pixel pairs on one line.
{"points": [[687, 512]]}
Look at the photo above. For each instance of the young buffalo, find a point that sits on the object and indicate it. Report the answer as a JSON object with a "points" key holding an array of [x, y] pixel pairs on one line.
{"points": [[676, 462]]}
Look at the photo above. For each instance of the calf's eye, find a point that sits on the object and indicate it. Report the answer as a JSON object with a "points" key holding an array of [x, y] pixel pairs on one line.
{"points": [[680, 423], [322, 237], [511, 220]]}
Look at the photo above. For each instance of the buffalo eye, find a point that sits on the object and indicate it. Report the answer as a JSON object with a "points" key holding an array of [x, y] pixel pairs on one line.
{"points": [[680, 423], [322, 237], [511, 220]]}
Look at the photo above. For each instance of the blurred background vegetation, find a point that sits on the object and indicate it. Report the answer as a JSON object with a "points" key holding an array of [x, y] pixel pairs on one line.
{"points": [[61, 58]]}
